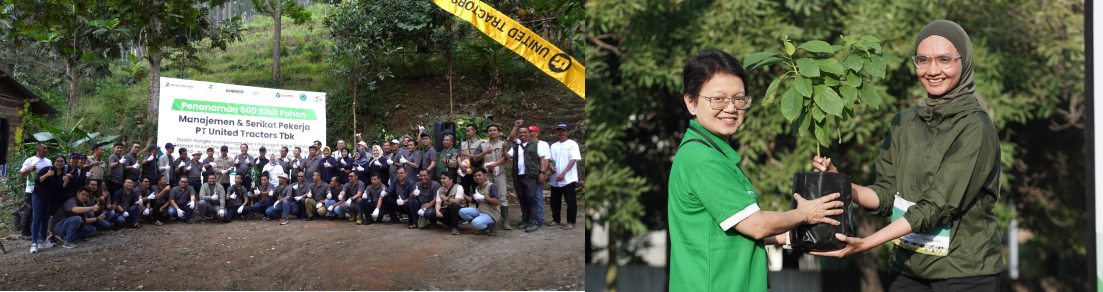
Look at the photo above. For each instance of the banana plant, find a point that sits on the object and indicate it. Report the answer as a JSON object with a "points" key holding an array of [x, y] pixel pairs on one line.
{"points": [[823, 90], [64, 142]]}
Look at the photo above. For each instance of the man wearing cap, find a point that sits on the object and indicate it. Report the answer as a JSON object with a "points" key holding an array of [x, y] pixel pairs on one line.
{"points": [[262, 159], [282, 207], [167, 164], [223, 164], [564, 156], [428, 156], [117, 164], [243, 162], [545, 157], [495, 160], [149, 163], [211, 199], [526, 171], [472, 153], [309, 165]]}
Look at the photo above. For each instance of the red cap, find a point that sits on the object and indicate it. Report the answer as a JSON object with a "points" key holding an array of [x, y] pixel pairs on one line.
{"points": [[534, 129]]}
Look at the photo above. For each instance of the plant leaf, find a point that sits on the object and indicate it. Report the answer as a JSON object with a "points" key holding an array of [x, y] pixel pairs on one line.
{"points": [[876, 66], [808, 67], [756, 57], [830, 65], [770, 91], [802, 123], [802, 85], [818, 114], [828, 100], [789, 49], [869, 95], [791, 104], [768, 61], [817, 46], [822, 134], [853, 79], [870, 38], [849, 93], [854, 62], [830, 80]]}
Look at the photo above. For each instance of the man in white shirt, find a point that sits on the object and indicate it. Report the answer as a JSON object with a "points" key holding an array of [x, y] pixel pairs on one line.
{"points": [[30, 171], [564, 157]]}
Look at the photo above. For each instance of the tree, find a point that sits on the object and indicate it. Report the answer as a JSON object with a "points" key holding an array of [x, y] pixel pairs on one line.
{"points": [[81, 33], [277, 9], [165, 25]]}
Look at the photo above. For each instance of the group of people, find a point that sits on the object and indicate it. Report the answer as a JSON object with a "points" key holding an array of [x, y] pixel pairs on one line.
{"points": [[412, 178]]}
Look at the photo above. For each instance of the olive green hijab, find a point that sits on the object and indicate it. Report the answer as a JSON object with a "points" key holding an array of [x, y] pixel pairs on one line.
{"points": [[965, 87]]}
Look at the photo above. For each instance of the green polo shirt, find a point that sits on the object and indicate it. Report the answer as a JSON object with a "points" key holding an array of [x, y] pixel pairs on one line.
{"points": [[708, 195]]}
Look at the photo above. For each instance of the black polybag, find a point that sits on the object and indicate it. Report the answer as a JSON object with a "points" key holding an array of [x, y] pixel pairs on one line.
{"points": [[821, 237]]}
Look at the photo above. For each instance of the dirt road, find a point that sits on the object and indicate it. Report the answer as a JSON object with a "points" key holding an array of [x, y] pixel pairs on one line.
{"points": [[315, 255]]}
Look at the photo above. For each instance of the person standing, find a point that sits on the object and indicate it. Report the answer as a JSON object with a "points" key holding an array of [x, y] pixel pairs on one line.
{"points": [[311, 164], [223, 165], [295, 165], [448, 159], [378, 164], [409, 158], [428, 156], [544, 151], [29, 170], [117, 164], [526, 171], [131, 167], [149, 163], [167, 164], [94, 165], [472, 154], [193, 170], [564, 156], [495, 159], [47, 193], [243, 163], [77, 177], [345, 165], [210, 167], [274, 169]]}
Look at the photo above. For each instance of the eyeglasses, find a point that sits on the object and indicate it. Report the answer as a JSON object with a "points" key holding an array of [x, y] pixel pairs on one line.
{"points": [[719, 103], [943, 61]]}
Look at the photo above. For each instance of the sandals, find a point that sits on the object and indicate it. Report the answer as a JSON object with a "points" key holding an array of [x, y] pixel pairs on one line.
{"points": [[552, 223], [567, 227], [412, 227], [158, 223]]}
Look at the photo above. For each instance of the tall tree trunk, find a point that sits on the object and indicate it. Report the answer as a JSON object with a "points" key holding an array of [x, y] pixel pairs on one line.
{"points": [[276, 15], [451, 107], [154, 58], [354, 79], [72, 74], [867, 261]]}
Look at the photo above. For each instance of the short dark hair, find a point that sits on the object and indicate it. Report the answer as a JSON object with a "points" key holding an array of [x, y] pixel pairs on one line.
{"points": [[450, 175], [135, 143], [375, 175], [473, 126], [96, 146], [312, 147], [706, 64], [300, 149], [85, 189], [117, 144], [480, 169]]}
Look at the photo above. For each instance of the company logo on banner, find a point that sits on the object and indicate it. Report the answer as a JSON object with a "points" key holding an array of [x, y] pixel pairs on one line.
{"points": [[521, 40], [235, 115]]}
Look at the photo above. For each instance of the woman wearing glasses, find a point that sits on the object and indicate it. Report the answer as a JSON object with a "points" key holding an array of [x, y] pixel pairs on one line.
{"points": [[717, 232], [938, 177]]}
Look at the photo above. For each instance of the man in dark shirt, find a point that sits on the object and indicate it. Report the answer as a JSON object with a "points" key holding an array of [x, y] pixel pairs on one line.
{"points": [[350, 192], [370, 200], [149, 163], [299, 192], [237, 197], [116, 165], [182, 201], [131, 165], [314, 196], [399, 193], [284, 198], [72, 221], [242, 163], [125, 205], [427, 191]]}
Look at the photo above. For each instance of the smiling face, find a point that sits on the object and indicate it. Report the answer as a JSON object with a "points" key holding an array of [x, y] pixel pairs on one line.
{"points": [[721, 122], [935, 79]]}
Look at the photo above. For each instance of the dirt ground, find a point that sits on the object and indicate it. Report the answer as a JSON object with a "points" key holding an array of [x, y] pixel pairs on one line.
{"points": [[314, 255]]}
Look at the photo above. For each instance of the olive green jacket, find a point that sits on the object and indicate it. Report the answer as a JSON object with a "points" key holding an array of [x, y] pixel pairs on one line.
{"points": [[946, 160]]}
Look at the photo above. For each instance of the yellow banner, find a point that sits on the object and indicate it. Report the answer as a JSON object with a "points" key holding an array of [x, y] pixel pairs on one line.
{"points": [[521, 40]]}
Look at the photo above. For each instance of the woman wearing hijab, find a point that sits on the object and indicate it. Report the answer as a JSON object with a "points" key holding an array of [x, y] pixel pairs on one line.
{"points": [[362, 165], [328, 165], [378, 163], [938, 177], [717, 232], [345, 166]]}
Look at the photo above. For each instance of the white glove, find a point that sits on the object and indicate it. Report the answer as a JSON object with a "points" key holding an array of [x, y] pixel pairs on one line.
{"points": [[478, 196], [179, 213], [214, 196], [341, 197], [224, 171], [330, 208], [328, 165], [191, 204], [126, 214], [239, 209], [213, 164], [298, 199], [122, 161], [146, 212], [495, 171], [276, 204], [189, 167], [152, 197], [139, 202], [377, 163], [296, 164], [382, 193], [233, 196], [181, 164], [375, 214], [359, 168], [285, 159], [272, 194], [399, 202], [256, 191], [318, 206], [421, 128], [402, 160], [348, 203], [329, 195], [222, 213], [460, 172], [420, 212], [150, 158], [295, 187], [344, 162], [416, 191]]}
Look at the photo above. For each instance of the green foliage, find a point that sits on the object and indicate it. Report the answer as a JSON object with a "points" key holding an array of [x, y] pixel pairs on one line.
{"points": [[821, 78], [68, 141]]}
